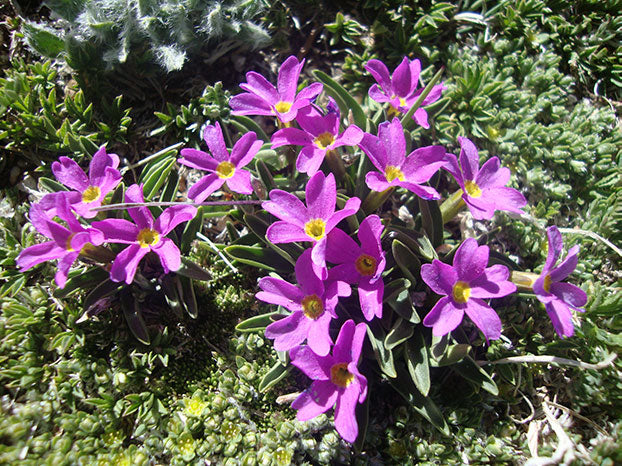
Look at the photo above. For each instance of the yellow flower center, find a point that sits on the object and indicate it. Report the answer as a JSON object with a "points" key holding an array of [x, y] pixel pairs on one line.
{"points": [[393, 112], [225, 169], [365, 265], [340, 376], [324, 140], [392, 172], [472, 189], [283, 107], [315, 228], [91, 194], [148, 237], [547, 283], [312, 306], [68, 243], [461, 292]]}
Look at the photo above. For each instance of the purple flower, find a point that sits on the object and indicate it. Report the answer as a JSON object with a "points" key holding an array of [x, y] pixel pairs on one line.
{"points": [[319, 134], [336, 380], [559, 298], [466, 284], [144, 236], [312, 303], [483, 188], [223, 167], [89, 191], [362, 265], [312, 223], [388, 154], [262, 98], [66, 244], [401, 89]]}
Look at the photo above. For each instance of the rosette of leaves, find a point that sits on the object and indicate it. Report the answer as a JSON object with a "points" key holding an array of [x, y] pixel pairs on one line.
{"points": [[96, 32], [402, 351]]}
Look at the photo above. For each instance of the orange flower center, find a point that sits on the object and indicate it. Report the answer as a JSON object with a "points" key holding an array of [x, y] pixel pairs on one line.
{"points": [[340, 376], [91, 194], [365, 265], [312, 306], [148, 237]]}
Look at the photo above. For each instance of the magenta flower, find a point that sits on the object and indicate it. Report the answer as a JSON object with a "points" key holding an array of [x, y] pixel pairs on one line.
{"points": [[362, 265], [312, 303], [144, 236], [387, 152], [67, 242], [319, 134], [312, 222], [261, 97], [559, 298], [483, 188], [401, 89], [223, 167], [89, 191], [466, 284], [336, 380]]}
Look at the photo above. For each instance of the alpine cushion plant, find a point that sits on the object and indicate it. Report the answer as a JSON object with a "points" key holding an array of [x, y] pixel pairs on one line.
{"points": [[223, 167], [67, 242], [318, 135], [483, 189], [143, 236], [262, 98], [312, 303], [312, 222], [401, 89], [90, 190], [387, 152], [465, 285], [559, 298], [362, 265], [336, 380]]}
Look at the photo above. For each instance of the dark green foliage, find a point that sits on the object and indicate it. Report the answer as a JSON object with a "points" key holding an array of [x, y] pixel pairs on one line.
{"points": [[104, 32]]}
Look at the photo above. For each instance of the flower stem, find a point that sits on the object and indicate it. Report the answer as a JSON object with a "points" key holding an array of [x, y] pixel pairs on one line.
{"points": [[375, 199], [335, 163], [523, 280], [451, 206]]}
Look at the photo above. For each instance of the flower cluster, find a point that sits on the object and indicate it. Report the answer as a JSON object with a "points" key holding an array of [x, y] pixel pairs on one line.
{"points": [[342, 254]]}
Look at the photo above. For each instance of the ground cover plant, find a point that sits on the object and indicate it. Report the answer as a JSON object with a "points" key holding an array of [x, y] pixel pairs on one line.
{"points": [[375, 216]]}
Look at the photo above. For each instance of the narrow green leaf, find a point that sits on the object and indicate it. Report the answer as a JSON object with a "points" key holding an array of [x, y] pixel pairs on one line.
{"points": [[156, 175], [191, 270], [383, 356], [51, 185], [189, 298], [394, 288], [451, 355], [257, 323], [406, 260], [43, 40], [416, 356], [170, 191], [259, 257], [81, 280], [246, 124], [400, 332], [276, 373], [105, 288], [190, 231], [403, 305], [407, 118], [134, 318], [432, 221], [475, 374]]}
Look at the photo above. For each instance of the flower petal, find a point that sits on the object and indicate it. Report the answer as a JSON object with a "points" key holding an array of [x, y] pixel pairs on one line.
{"points": [[556, 244], [280, 292], [352, 136], [439, 276], [205, 187], [288, 78], [569, 294], [173, 216], [469, 158], [39, 253], [291, 136], [345, 413], [198, 159], [350, 208], [216, 142], [285, 232], [305, 276], [70, 174], [391, 135], [567, 266], [125, 265], [321, 195], [508, 199], [100, 162], [349, 342], [310, 159], [310, 92], [375, 150], [117, 230], [313, 122], [401, 78], [260, 86], [470, 260], [63, 268], [169, 254], [493, 283], [484, 317], [240, 182], [250, 104], [317, 399], [377, 181], [370, 298], [245, 149], [315, 367], [289, 331], [380, 72], [492, 175], [285, 206], [444, 317], [318, 337], [370, 231], [141, 215], [421, 118], [561, 317], [423, 163], [341, 248], [421, 190]]}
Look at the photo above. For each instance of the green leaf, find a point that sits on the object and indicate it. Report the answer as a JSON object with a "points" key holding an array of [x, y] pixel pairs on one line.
{"points": [[406, 260], [190, 231], [394, 288], [105, 288], [79, 279], [276, 373], [170, 191], [403, 305], [257, 323], [383, 356], [51, 185], [416, 356], [189, 298], [134, 318], [43, 40], [246, 124], [155, 174], [469, 369], [432, 221], [259, 257], [451, 355], [335, 89], [399, 333], [191, 270], [264, 175]]}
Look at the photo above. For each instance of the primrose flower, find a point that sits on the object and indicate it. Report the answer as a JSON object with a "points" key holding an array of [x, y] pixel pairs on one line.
{"points": [[89, 191], [559, 298], [319, 134], [466, 284], [312, 303], [387, 152], [483, 188], [312, 222], [362, 264], [262, 98], [336, 380], [223, 167], [66, 244], [401, 89], [144, 236]]}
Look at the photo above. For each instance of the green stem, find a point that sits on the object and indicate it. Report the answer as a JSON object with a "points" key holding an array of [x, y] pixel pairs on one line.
{"points": [[375, 199], [335, 163], [451, 206], [523, 280], [407, 119]]}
